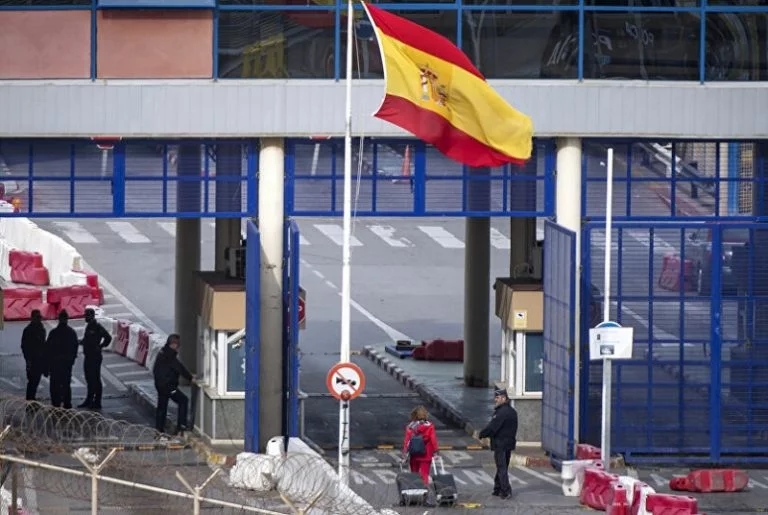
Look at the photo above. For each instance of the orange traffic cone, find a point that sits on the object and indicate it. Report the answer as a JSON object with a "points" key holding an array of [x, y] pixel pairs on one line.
{"points": [[405, 173]]}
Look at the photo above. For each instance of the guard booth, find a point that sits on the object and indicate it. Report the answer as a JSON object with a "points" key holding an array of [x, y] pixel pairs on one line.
{"points": [[520, 307]]}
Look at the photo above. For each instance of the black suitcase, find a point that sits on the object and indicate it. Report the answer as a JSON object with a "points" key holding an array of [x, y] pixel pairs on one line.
{"points": [[411, 487], [443, 483]]}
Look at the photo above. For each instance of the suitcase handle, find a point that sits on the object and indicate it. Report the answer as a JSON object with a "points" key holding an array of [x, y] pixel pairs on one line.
{"points": [[435, 461]]}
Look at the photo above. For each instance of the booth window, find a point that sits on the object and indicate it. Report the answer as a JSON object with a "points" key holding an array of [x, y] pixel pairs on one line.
{"points": [[529, 373]]}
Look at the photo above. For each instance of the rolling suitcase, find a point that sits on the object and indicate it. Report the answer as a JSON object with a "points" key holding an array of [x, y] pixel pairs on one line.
{"points": [[444, 484], [411, 487]]}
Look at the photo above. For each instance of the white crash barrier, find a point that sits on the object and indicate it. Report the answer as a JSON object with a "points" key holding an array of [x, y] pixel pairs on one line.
{"points": [[5, 264], [572, 474], [133, 342], [253, 472], [293, 480], [59, 257], [156, 342], [110, 324]]}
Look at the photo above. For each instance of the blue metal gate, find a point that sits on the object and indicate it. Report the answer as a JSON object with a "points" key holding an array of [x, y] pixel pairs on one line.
{"points": [[557, 414], [697, 297], [291, 328], [252, 330]]}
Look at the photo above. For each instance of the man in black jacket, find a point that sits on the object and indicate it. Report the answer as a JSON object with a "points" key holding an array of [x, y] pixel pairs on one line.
{"points": [[94, 339], [167, 370], [62, 352], [502, 430], [33, 348]]}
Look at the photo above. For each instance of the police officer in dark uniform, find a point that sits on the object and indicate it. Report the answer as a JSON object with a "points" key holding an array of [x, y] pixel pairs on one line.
{"points": [[94, 339], [62, 352], [502, 430], [33, 348]]}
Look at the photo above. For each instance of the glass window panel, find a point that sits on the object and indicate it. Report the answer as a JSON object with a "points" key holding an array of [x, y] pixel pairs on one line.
{"points": [[493, 40], [534, 361], [367, 60], [736, 48], [276, 44], [642, 46]]}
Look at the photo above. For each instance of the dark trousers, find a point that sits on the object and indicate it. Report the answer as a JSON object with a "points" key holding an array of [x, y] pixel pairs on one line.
{"points": [[501, 482], [92, 371], [162, 409], [61, 390], [34, 374]]}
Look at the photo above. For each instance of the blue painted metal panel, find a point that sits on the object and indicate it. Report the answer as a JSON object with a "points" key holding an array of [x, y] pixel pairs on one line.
{"points": [[557, 413], [252, 339], [291, 280], [697, 297], [156, 4]]}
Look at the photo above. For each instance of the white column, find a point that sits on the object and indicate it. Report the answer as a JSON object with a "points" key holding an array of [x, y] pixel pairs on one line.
{"points": [[568, 215], [271, 216]]}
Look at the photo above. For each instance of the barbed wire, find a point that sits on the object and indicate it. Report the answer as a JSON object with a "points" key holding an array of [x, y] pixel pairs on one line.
{"points": [[144, 471]]}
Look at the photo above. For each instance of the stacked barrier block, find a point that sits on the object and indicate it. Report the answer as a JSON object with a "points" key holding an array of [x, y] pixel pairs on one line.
{"points": [[618, 500], [587, 452], [572, 474], [597, 488], [711, 480], [18, 303], [122, 337], [97, 294], [74, 299], [138, 344], [664, 504], [27, 268], [444, 350]]}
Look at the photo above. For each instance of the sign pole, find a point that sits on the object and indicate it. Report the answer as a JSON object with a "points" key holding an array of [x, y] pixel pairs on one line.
{"points": [[345, 270], [605, 446]]}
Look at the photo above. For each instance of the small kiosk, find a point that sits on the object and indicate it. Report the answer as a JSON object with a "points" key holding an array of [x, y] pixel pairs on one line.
{"points": [[520, 307], [220, 409]]}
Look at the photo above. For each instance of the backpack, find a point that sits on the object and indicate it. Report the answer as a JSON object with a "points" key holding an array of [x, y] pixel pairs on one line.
{"points": [[416, 445]]}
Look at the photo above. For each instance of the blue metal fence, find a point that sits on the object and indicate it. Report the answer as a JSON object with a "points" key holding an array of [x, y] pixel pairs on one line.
{"points": [[252, 339], [291, 280], [557, 414], [697, 298]]}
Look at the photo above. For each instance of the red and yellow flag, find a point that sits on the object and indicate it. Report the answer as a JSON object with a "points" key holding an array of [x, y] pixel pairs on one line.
{"points": [[434, 92]]}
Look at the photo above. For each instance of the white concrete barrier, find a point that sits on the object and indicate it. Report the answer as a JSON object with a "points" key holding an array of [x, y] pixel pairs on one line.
{"points": [[110, 324], [572, 474]]}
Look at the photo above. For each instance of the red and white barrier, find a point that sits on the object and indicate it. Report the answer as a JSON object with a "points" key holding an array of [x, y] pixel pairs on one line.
{"points": [[572, 474], [133, 341]]}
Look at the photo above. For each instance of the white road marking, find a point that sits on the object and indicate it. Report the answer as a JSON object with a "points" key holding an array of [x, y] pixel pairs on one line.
{"points": [[107, 306], [336, 234], [169, 227], [132, 373], [660, 481], [119, 315], [128, 232], [539, 475], [442, 237], [386, 233], [114, 381], [121, 365], [303, 240], [499, 241], [753, 483], [76, 232], [75, 383]]}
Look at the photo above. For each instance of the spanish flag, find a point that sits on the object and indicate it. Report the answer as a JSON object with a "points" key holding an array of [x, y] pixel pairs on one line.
{"points": [[434, 92]]}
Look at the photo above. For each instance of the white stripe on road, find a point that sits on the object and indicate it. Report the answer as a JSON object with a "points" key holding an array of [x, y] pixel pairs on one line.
{"points": [[539, 475], [387, 233], [169, 227], [336, 234], [120, 365], [442, 237], [114, 381], [499, 241], [76, 233], [75, 383], [132, 373], [128, 232], [303, 240]]}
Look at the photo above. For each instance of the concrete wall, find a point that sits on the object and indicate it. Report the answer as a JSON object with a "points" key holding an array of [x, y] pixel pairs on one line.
{"points": [[252, 108]]}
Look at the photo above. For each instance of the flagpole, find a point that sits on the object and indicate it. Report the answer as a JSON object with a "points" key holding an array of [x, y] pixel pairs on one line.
{"points": [[345, 269]]}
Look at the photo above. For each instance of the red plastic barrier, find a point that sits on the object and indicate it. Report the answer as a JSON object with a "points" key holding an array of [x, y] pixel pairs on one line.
{"points": [[123, 333], [587, 452], [420, 353], [665, 504], [618, 500], [57, 294], [597, 488], [680, 484], [18, 303], [97, 294], [27, 268], [77, 298], [669, 279], [143, 350], [444, 350], [637, 497], [718, 480]]}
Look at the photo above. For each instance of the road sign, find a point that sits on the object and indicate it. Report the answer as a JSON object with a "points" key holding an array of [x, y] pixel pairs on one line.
{"points": [[105, 142], [345, 381], [302, 310], [609, 340]]}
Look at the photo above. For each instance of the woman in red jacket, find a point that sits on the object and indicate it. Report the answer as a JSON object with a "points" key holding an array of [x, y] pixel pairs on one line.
{"points": [[420, 443]]}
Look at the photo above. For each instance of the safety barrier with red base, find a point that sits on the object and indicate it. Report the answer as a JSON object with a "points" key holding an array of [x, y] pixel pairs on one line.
{"points": [[618, 500], [640, 493], [596, 490], [18, 303], [27, 268], [665, 504], [138, 344], [443, 350], [669, 278], [74, 299], [120, 345], [587, 452], [711, 480], [97, 294]]}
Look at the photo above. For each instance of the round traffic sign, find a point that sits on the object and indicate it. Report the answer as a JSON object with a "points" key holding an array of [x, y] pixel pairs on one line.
{"points": [[302, 310], [345, 381]]}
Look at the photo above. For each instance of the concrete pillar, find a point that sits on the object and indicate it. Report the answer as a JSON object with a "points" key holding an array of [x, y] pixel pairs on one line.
{"points": [[271, 216], [568, 215], [477, 281], [187, 254], [229, 165]]}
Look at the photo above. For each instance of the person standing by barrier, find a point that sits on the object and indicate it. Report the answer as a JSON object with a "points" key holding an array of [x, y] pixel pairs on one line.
{"points": [[502, 430], [94, 339], [62, 349], [167, 370], [33, 349]]}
